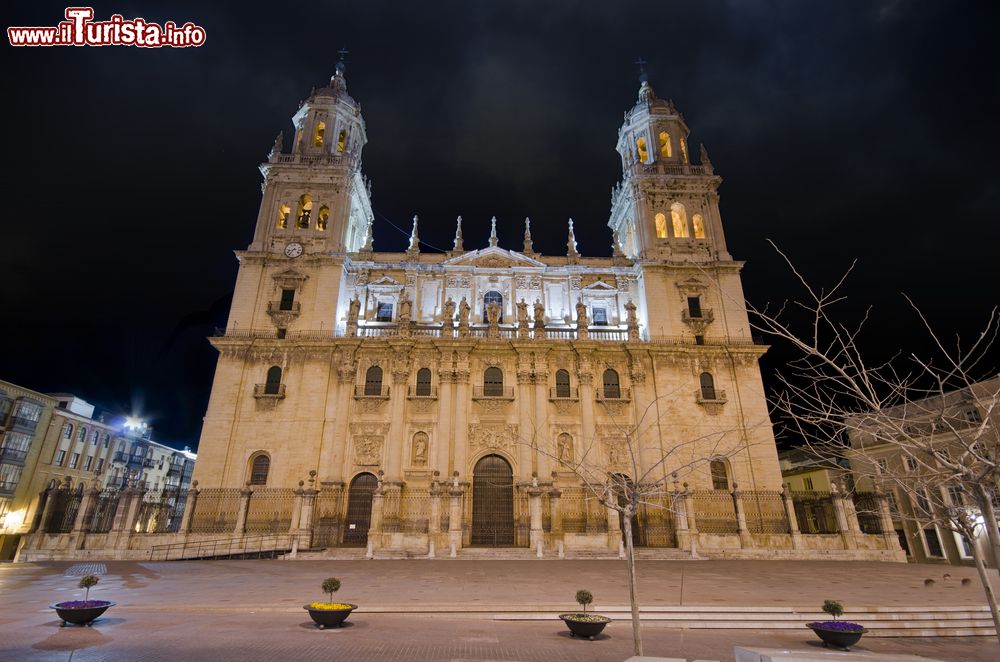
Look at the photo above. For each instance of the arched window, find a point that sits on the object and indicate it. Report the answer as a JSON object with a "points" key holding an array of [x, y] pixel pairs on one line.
{"points": [[707, 386], [342, 141], [493, 297], [373, 380], [661, 226], [82, 435], [612, 387], [424, 382], [684, 150], [562, 384], [641, 151], [304, 211], [68, 431], [679, 217], [699, 226], [320, 132], [493, 382], [284, 211], [665, 148], [323, 219], [260, 465], [272, 384], [720, 474]]}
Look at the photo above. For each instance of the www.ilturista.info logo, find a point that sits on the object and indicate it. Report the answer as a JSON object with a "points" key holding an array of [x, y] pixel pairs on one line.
{"points": [[79, 29]]}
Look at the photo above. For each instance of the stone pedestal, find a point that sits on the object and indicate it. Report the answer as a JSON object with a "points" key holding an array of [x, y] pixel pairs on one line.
{"points": [[793, 521], [241, 515], [746, 540]]}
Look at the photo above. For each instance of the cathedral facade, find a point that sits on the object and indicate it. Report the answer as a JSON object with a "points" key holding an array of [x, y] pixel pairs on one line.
{"points": [[467, 398]]}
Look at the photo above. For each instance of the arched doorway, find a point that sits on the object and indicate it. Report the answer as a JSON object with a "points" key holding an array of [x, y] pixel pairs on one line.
{"points": [[492, 502], [359, 509]]}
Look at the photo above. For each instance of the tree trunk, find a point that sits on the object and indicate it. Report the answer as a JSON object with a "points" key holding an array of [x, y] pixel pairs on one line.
{"points": [[990, 522], [985, 579], [630, 566]]}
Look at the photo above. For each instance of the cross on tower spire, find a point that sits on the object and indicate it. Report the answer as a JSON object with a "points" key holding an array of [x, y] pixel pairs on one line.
{"points": [[643, 76], [342, 63]]}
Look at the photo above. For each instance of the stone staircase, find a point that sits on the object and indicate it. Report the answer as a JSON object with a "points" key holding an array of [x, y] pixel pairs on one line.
{"points": [[968, 621], [491, 554]]}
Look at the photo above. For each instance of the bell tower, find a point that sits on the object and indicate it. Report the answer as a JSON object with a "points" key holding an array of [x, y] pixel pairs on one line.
{"points": [[316, 196]]}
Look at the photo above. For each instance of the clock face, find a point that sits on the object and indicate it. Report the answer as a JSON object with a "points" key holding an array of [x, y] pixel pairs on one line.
{"points": [[293, 249]]}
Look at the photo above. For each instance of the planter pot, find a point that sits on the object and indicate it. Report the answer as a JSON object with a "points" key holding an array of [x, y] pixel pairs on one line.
{"points": [[81, 612], [842, 639], [330, 618], [589, 628]]}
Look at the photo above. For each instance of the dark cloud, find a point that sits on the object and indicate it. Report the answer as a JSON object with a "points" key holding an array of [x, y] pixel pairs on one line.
{"points": [[843, 130]]}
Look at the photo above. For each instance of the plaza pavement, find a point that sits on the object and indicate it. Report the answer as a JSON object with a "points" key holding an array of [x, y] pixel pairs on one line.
{"points": [[441, 610]]}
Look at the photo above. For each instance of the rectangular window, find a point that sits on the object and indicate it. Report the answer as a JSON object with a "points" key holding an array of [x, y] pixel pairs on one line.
{"points": [[60, 456], [95, 437], [107, 440], [883, 465], [933, 542], [911, 464], [287, 299], [901, 534], [963, 546], [600, 316], [100, 465], [694, 307], [955, 495], [87, 462], [923, 502], [74, 460], [807, 483], [384, 312]]}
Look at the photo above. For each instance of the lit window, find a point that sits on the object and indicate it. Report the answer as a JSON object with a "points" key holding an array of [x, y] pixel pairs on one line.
{"points": [[699, 226], [318, 136], [88, 462], [94, 437], [304, 212], [679, 217], [665, 149], [283, 213], [342, 142], [82, 435], [324, 218], [640, 146], [107, 440], [100, 465], [384, 312], [661, 226]]}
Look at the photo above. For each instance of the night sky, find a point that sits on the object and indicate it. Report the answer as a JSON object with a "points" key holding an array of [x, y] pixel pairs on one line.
{"points": [[842, 129]]}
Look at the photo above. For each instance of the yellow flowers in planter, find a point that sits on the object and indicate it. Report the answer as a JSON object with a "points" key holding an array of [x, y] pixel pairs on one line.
{"points": [[329, 606]]}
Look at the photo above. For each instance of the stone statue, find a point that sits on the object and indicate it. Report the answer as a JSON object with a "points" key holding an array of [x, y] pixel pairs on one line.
{"points": [[449, 312], [632, 321], [539, 314], [493, 319], [463, 312], [420, 450], [405, 308], [279, 144], [565, 448], [581, 320], [522, 312], [352, 313]]}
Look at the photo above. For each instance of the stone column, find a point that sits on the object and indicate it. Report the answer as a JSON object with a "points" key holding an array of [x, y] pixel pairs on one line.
{"points": [[189, 505], [681, 520], [121, 510], [692, 518], [391, 503], [455, 518], [587, 405], [304, 534], [434, 523], [375, 523], [80, 527], [397, 425], [746, 539], [838, 511], [526, 430], [241, 515], [130, 519], [793, 521], [461, 407], [443, 439], [537, 536], [293, 527], [889, 536], [542, 461]]}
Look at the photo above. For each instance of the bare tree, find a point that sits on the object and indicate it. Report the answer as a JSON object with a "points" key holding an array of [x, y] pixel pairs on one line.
{"points": [[924, 426], [636, 472]]}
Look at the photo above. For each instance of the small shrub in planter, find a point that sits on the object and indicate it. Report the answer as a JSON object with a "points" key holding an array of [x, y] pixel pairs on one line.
{"points": [[584, 624], [330, 614], [840, 634], [82, 612]]}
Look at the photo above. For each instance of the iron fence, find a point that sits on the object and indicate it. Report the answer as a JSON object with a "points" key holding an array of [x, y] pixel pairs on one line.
{"points": [[765, 512], [216, 511], [102, 516], [328, 509], [715, 511], [160, 512], [814, 511], [270, 510], [869, 515], [655, 520], [64, 510], [414, 511]]}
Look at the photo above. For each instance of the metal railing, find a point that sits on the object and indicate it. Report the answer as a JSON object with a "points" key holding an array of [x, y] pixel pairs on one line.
{"points": [[13, 455], [366, 391], [563, 393], [487, 392], [268, 391], [243, 547], [430, 391]]}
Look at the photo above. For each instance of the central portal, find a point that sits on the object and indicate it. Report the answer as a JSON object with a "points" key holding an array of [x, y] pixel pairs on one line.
{"points": [[493, 502]]}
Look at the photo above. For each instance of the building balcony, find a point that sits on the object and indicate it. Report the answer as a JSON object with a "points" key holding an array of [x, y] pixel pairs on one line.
{"points": [[613, 395], [419, 392], [7, 488], [13, 456], [121, 457], [22, 423], [492, 393], [283, 314], [270, 391], [703, 316], [372, 391], [563, 393], [149, 463], [175, 469], [715, 396]]}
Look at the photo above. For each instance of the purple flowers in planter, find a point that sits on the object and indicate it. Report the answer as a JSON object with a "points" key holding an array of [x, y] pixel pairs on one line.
{"points": [[82, 604], [845, 626]]}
